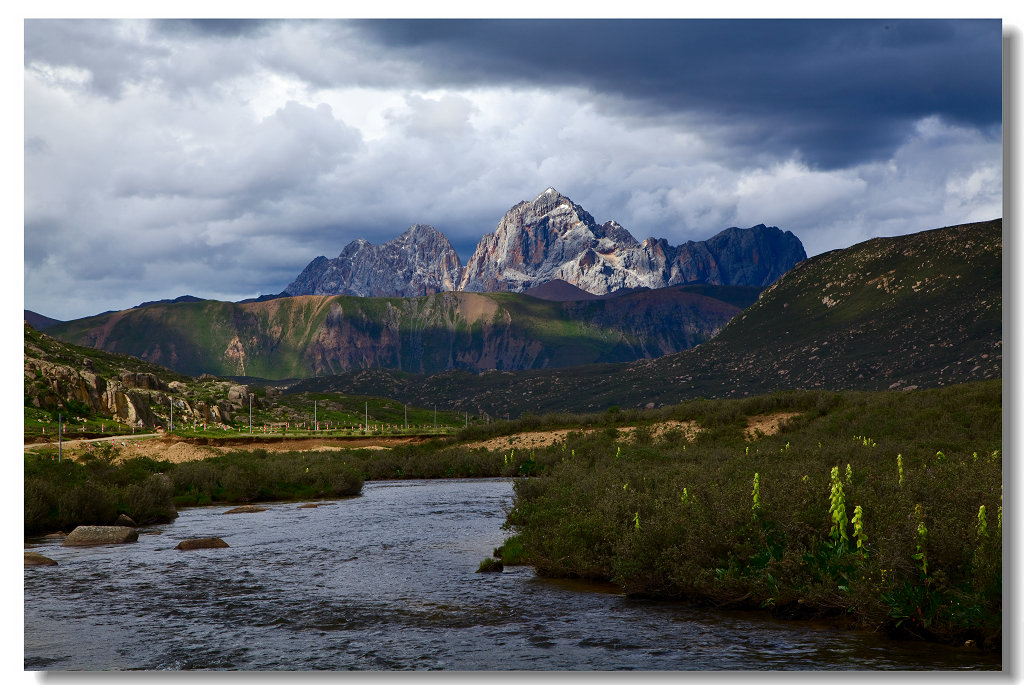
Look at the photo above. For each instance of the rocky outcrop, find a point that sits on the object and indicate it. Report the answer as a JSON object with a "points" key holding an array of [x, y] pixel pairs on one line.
{"points": [[146, 381], [201, 543], [60, 377], [238, 395], [47, 385], [421, 261], [84, 536]]}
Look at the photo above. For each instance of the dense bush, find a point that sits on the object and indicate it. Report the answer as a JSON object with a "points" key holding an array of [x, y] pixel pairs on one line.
{"points": [[260, 476], [60, 495], [682, 520]]}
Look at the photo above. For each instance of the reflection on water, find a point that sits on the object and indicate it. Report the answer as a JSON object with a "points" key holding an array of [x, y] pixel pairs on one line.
{"points": [[387, 581]]}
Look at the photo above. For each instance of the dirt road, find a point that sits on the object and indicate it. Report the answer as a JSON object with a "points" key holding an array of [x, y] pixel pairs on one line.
{"points": [[173, 449]]}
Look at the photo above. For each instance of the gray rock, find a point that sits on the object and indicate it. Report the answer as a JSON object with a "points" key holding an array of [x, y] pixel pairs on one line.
{"points": [[238, 394], [100, 535], [201, 543], [35, 559], [124, 520]]}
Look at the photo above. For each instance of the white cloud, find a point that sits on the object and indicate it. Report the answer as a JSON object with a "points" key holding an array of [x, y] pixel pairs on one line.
{"points": [[445, 118], [791, 193]]}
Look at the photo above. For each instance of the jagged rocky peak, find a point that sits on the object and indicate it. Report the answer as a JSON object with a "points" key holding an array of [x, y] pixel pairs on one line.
{"points": [[421, 261], [534, 240], [420, 234]]}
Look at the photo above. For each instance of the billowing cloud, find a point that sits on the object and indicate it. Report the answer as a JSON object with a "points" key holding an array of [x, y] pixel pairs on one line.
{"points": [[217, 158]]}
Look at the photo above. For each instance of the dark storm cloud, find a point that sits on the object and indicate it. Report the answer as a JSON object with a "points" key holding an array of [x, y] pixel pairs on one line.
{"points": [[214, 28], [838, 92]]}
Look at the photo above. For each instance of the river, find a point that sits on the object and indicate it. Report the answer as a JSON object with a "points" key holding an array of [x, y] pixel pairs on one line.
{"points": [[387, 581]]}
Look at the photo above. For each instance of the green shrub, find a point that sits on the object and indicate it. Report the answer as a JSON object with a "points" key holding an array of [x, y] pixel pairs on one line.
{"points": [[922, 571], [489, 565]]}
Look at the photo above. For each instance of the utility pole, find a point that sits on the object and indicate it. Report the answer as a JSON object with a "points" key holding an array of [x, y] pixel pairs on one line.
{"points": [[315, 427], [435, 417], [171, 402], [366, 416], [60, 444], [406, 416], [250, 414]]}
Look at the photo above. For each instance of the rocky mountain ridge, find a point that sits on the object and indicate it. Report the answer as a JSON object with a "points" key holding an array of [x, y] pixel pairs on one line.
{"points": [[421, 261], [550, 238]]}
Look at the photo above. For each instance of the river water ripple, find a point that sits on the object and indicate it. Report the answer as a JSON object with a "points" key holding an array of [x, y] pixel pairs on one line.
{"points": [[387, 581]]}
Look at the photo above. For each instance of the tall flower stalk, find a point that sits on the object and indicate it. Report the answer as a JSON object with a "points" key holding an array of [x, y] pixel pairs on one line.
{"points": [[837, 509], [922, 540], [858, 529], [756, 508]]}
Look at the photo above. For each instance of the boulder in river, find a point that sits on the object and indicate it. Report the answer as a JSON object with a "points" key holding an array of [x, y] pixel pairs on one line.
{"points": [[245, 509], [201, 543], [36, 559], [100, 535], [125, 520]]}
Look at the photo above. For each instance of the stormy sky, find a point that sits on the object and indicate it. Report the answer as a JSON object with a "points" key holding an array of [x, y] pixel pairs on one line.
{"points": [[217, 158]]}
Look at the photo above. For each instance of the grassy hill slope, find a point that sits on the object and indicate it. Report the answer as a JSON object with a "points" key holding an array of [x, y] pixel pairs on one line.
{"points": [[297, 337]]}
